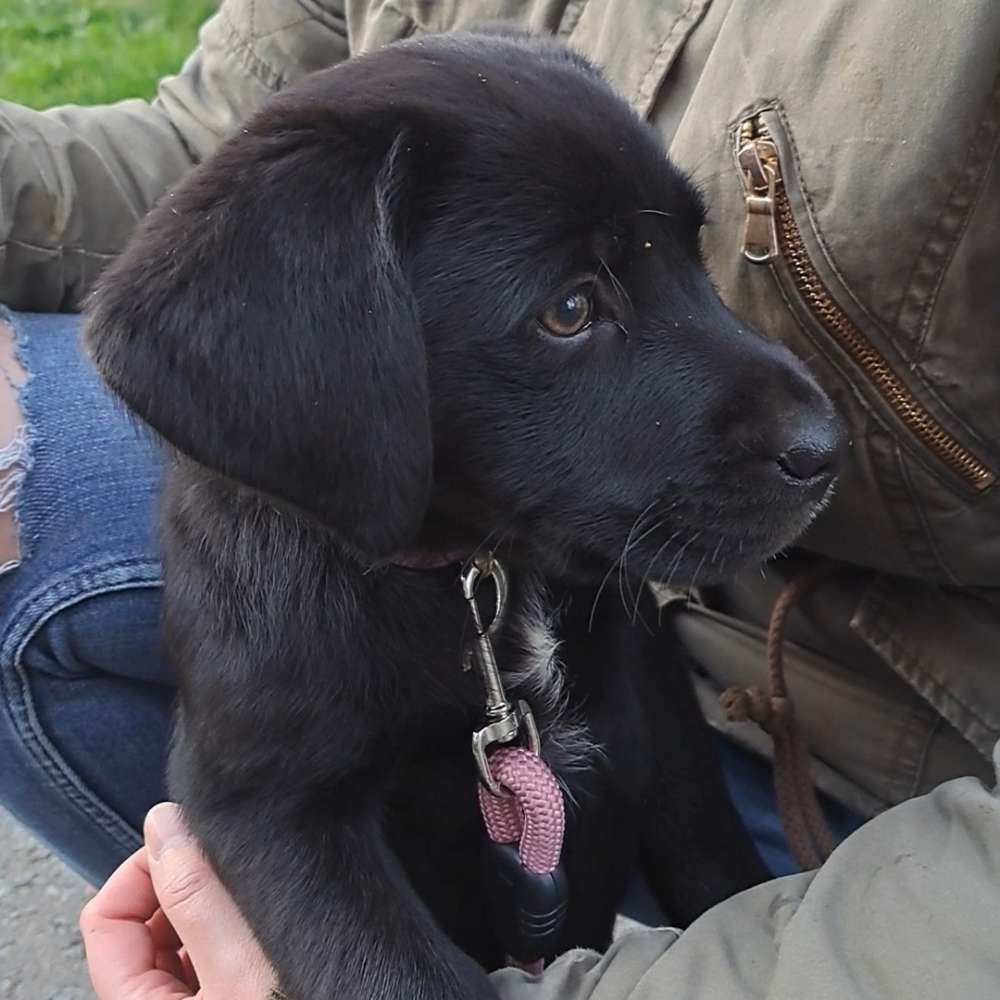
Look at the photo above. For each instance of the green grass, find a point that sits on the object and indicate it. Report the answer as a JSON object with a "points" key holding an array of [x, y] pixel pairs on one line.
{"points": [[93, 51]]}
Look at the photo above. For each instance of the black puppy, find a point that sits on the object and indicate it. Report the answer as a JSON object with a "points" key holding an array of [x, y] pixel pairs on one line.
{"points": [[444, 298]]}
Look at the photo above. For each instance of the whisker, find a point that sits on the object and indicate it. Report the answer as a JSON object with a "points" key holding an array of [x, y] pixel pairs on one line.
{"points": [[629, 598], [597, 597], [617, 563], [623, 561], [653, 527], [694, 578], [675, 565], [715, 554], [623, 295], [652, 562]]}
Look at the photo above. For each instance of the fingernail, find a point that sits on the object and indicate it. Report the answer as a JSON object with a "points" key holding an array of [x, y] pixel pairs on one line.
{"points": [[164, 829]]}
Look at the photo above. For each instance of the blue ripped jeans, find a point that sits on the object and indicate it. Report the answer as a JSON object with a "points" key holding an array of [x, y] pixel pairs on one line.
{"points": [[86, 693], [85, 690]]}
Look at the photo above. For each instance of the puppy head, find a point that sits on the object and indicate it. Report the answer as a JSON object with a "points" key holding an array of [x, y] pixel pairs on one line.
{"points": [[452, 291]]}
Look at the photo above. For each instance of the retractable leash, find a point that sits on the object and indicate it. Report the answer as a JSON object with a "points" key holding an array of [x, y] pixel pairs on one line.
{"points": [[519, 797]]}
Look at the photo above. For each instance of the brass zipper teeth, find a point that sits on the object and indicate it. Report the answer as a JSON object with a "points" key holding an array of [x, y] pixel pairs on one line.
{"points": [[840, 326]]}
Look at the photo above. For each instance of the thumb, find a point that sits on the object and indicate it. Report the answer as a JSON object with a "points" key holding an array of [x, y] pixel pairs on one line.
{"points": [[229, 963]]}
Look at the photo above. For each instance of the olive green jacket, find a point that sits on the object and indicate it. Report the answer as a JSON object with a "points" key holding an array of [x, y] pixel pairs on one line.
{"points": [[848, 153]]}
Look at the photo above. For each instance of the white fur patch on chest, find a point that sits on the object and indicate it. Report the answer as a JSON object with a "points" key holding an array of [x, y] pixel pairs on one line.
{"points": [[538, 676]]}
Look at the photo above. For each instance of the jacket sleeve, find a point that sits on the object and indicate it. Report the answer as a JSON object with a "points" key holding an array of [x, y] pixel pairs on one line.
{"points": [[75, 180], [904, 909]]}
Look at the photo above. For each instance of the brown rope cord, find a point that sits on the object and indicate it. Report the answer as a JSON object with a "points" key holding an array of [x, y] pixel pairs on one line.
{"points": [[774, 711]]}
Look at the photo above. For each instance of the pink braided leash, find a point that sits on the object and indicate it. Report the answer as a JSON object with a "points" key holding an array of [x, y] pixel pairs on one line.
{"points": [[533, 816]]}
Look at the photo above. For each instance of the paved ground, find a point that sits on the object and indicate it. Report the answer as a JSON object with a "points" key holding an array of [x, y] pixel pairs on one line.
{"points": [[41, 957]]}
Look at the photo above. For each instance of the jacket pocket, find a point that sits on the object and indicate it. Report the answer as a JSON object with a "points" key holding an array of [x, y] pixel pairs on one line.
{"points": [[873, 757], [773, 236]]}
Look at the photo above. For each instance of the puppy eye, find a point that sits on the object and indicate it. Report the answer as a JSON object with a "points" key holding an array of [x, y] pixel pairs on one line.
{"points": [[569, 316]]}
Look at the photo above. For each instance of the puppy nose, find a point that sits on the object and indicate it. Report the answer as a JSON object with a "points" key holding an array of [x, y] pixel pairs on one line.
{"points": [[811, 450]]}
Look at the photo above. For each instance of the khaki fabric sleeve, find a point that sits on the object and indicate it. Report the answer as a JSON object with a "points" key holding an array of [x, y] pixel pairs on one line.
{"points": [[905, 909], [75, 180]]}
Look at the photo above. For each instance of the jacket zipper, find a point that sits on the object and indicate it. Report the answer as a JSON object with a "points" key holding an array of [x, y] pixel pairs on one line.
{"points": [[771, 232]]}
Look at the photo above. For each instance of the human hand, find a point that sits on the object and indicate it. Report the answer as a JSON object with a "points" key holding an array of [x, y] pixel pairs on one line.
{"points": [[164, 928]]}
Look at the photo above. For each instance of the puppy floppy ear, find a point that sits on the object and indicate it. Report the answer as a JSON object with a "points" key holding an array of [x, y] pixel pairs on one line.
{"points": [[261, 322]]}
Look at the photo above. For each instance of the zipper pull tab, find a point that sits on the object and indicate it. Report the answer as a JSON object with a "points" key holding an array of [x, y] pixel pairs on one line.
{"points": [[758, 161]]}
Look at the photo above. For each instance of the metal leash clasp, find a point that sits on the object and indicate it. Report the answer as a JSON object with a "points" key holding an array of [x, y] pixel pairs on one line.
{"points": [[504, 719]]}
